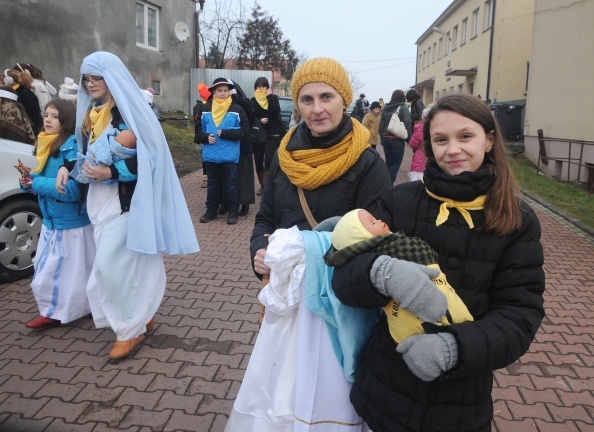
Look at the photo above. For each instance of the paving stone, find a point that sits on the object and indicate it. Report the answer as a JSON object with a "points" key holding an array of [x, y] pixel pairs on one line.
{"points": [[59, 409], [15, 423], [101, 378], [180, 421], [146, 400], [65, 392], [188, 404], [141, 417], [28, 407], [110, 415], [102, 395], [126, 379], [62, 426], [178, 385], [24, 387], [50, 356]]}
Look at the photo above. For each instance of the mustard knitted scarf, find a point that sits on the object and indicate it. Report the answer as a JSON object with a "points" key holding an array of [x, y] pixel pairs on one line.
{"points": [[219, 109], [313, 168], [261, 97], [462, 206], [100, 118]]}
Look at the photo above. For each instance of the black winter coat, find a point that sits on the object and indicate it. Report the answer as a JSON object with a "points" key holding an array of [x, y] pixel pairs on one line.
{"points": [[31, 104], [360, 187], [501, 281], [275, 124], [404, 116]]}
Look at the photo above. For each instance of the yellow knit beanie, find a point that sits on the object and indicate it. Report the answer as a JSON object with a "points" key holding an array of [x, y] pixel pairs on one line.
{"points": [[349, 230], [325, 70]]}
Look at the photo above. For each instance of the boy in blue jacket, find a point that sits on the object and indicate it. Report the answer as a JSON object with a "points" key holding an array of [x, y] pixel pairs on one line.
{"points": [[223, 124]]}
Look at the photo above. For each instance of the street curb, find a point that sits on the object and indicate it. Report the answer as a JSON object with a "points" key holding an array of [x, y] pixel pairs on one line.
{"points": [[579, 224]]}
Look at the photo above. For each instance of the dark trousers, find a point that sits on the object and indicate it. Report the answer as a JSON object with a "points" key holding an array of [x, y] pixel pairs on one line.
{"points": [[263, 154], [222, 179], [394, 151]]}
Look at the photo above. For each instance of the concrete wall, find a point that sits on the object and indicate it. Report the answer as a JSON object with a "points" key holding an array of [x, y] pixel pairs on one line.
{"points": [[56, 35], [561, 85]]}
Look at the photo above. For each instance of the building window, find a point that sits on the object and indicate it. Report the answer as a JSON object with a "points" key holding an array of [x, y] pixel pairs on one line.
{"points": [[437, 95], [460, 88], [428, 56], [447, 45], [452, 90], [420, 59], [147, 25], [434, 52], [527, 75], [464, 31], [440, 52], [157, 87], [454, 38], [488, 14], [470, 88], [475, 23]]}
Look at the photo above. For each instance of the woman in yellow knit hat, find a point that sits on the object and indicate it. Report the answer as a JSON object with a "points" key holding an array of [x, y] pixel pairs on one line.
{"points": [[327, 157]]}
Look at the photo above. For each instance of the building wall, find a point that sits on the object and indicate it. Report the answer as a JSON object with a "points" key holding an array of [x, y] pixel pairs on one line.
{"points": [[512, 27], [561, 85], [56, 35]]}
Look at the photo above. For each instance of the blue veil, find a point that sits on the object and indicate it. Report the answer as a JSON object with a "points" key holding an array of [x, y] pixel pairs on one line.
{"points": [[159, 217]]}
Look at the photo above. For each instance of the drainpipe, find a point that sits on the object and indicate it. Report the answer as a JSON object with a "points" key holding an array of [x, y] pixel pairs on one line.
{"points": [[491, 50], [197, 27]]}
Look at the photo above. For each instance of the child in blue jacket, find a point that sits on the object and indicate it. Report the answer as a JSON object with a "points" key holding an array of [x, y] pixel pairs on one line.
{"points": [[66, 248], [223, 123]]}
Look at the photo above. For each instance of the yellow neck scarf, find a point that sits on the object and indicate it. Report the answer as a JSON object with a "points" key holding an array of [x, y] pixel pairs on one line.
{"points": [[100, 118], [262, 98], [219, 109], [44, 145], [310, 169], [461, 206]]}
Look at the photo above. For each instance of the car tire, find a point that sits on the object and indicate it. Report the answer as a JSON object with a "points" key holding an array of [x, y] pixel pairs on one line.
{"points": [[20, 227]]}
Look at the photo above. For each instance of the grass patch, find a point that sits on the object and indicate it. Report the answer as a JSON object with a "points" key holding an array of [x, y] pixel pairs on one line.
{"points": [[180, 136], [572, 200]]}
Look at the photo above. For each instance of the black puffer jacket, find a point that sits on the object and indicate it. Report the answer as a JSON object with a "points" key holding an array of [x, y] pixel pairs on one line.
{"points": [[500, 279], [360, 187], [274, 124]]}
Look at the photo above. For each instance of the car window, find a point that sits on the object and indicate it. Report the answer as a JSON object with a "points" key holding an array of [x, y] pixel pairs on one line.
{"points": [[286, 104]]}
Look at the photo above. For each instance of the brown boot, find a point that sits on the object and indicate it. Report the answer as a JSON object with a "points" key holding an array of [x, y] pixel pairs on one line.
{"points": [[150, 325], [122, 348]]}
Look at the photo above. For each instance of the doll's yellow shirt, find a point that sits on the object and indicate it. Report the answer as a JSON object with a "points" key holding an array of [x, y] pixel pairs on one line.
{"points": [[403, 323]]}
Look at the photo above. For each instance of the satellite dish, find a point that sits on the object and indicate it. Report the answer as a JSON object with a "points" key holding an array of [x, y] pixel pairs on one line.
{"points": [[182, 31]]}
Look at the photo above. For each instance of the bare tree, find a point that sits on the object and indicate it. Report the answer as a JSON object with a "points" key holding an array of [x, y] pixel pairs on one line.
{"points": [[220, 29], [356, 81]]}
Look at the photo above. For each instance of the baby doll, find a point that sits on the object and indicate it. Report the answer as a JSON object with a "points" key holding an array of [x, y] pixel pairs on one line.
{"points": [[359, 232], [110, 147]]}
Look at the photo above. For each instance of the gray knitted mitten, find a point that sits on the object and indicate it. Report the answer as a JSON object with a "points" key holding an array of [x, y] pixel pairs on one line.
{"points": [[429, 355], [409, 284]]}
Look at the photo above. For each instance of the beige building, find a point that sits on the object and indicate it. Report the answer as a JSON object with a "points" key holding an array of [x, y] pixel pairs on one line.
{"points": [[480, 47], [561, 87]]}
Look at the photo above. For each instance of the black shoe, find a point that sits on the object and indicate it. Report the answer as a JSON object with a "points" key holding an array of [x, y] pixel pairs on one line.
{"points": [[243, 211], [210, 214], [232, 218], [223, 208]]}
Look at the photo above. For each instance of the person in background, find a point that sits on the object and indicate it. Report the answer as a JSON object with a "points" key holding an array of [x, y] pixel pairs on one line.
{"points": [[416, 104], [360, 107], [394, 146], [295, 118], [470, 211], [14, 121], [205, 95], [267, 110], [381, 102], [68, 90], [66, 249], [22, 83], [136, 219], [372, 121], [149, 97], [223, 123], [41, 87], [419, 159]]}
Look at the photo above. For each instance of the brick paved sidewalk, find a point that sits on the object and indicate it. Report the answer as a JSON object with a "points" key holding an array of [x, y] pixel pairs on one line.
{"points": [[187, 373]]}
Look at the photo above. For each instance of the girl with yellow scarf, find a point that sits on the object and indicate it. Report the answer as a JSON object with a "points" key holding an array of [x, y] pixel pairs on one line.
{"points": [[66, 248]]}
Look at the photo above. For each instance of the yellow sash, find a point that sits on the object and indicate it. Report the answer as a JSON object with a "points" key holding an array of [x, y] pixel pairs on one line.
{"points": [[461, 206], [44, 145], [262, 98], [100, 118], [219, 109], [312, 168]]}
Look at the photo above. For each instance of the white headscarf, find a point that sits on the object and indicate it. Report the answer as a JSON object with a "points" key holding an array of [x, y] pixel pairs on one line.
{"points": [[159, 216]]}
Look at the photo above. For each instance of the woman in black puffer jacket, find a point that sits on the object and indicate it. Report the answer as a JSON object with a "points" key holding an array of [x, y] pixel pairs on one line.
{"points": [[488, 240]]}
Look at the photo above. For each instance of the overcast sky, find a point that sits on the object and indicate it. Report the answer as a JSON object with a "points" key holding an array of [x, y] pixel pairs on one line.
{"points": [[375, 38]]}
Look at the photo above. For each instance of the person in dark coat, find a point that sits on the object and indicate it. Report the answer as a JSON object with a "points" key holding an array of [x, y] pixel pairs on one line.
{"points": [[327, 155], [394, 146], [23, 86], [416, 104], [266, 108], [469, 210]]}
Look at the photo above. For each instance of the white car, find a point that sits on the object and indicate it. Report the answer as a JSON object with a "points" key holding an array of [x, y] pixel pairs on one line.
{"points": [[20, 217]]}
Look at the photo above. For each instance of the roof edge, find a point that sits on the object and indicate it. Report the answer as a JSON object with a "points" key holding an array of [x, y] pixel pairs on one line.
{"points": [[451, 8]]}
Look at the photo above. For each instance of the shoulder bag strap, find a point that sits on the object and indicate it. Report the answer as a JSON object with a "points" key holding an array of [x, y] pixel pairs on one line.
{"points": [[306, 209]]}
